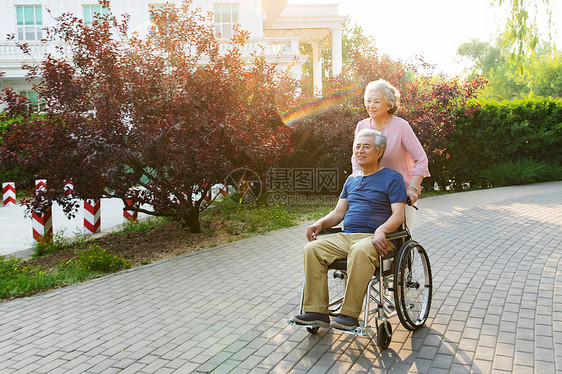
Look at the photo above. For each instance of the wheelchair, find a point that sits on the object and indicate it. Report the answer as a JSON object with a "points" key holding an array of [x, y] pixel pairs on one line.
{"points": [[401, 285]]}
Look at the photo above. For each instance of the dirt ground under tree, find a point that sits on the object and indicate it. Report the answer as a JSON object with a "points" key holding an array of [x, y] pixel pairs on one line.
{"points": [[166, 240]]}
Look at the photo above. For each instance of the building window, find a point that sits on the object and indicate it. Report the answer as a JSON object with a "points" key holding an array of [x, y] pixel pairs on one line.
{"points": [[91, 13], [35, 104], [157, 8], [226, 15], [30, 22]]}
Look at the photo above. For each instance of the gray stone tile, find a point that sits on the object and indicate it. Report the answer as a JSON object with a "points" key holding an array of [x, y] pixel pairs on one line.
{"points": [[494, 256]]}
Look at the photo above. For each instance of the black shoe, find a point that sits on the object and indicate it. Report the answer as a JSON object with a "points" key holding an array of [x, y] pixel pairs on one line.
{"points": [[311, 318], [343, 322]]}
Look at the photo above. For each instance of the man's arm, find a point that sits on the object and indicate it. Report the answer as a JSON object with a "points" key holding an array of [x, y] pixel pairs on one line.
{"points": [[391, 224], [331, 219]]}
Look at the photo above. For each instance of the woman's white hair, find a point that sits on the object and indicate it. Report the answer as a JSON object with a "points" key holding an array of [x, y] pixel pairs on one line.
{"points": [[390, 93]]}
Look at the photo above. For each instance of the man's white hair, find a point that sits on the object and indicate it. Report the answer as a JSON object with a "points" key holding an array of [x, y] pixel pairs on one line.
{"points": [[379, 140]]}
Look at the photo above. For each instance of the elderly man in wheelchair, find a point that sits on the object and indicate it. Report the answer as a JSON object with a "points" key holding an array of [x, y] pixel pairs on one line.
{"points": [[371, 206]]}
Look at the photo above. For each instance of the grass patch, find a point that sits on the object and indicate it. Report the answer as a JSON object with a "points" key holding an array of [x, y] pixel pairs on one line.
{"points": [[143, 225], [60, 241], [96, 259], [260, 217], [50, 245], [17, 279]]}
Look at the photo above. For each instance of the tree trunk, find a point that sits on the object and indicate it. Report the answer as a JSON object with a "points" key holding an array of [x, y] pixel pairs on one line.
{"points": [[191, 219]]}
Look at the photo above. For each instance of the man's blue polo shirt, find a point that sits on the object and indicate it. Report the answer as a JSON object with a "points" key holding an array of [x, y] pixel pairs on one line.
{"points": [[369, 199]]}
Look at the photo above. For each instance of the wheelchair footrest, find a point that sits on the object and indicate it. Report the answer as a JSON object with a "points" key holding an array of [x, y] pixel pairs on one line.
{"points": [[361, 330], [293, 323]]}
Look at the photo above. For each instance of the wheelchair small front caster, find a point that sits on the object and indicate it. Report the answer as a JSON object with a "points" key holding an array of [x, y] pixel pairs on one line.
{"points": [[384, 335], [313, 330]]}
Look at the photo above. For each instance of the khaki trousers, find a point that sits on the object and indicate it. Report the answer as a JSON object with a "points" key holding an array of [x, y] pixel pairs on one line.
{"points": [[362, 259]]}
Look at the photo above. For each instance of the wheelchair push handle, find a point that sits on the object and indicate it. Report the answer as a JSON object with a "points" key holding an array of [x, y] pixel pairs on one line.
{"points": [[408, 202]]}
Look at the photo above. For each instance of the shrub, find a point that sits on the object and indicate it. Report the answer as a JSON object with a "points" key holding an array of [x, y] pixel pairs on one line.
{"points": [[176, 124], [323, 137], [521, 172]]}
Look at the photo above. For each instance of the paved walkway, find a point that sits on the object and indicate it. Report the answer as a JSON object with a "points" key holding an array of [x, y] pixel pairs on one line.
{"points": [[497, 306]]}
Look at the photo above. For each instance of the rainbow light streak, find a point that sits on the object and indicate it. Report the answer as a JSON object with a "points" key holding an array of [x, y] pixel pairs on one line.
{"points": [[317, 104]]}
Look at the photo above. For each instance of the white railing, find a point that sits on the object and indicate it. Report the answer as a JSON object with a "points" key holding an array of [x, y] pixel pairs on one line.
{"points": [[267, 46], [283, 47], [9, 50]]}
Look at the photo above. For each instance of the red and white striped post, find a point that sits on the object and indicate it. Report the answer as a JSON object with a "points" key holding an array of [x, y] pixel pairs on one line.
{"points": [[9, 193], [130, 215], [68, 188], [42, 221], [92, 219], [223, 190]]}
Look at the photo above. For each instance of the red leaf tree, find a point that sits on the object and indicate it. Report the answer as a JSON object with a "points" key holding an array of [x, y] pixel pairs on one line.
{"points": [[167, 112]]}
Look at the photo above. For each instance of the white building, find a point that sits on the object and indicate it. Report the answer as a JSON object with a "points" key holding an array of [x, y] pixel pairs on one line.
{"points": [[274, 25]]}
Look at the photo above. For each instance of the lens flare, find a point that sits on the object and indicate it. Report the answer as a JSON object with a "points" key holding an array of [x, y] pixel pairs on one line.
{"points": [[291, 117]]}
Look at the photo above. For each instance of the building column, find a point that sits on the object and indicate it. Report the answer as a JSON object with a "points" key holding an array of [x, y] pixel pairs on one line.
{"points": [[337, 51], [316, 69]]}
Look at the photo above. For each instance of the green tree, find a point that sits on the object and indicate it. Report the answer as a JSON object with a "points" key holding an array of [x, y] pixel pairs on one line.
{"points": [[483, 55], [547, 80], [521, 34], [540, 75]]}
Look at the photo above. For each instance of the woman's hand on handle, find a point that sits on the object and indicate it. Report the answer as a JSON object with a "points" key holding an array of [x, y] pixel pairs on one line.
{"points": [[414, 189], [412, 195]]}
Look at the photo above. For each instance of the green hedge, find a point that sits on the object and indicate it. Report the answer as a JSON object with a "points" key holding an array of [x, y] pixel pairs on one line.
{"points": [[500, 133]]}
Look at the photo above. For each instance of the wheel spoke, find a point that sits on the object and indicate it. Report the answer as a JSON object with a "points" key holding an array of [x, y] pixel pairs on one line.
{"points": [[337, 280]]}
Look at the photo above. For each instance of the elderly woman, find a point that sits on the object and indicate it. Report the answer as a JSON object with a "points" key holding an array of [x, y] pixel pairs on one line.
{"points": [[404, 152]]}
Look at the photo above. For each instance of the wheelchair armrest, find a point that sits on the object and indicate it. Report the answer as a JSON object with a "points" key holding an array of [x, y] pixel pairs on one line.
{"points": [[331, 230], [393, 235], [397, 235]]}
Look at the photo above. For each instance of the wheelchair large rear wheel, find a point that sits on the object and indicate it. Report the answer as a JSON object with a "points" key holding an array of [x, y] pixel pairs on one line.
{"points": [[413, 285]]}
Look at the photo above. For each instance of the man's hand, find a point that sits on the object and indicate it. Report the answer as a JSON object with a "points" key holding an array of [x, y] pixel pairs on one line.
{"points": [[331, 219], [313, 231], [380, 243]]}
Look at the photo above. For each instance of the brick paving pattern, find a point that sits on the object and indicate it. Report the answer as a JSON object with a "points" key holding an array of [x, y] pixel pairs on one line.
{"points": [[497, 304]]}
